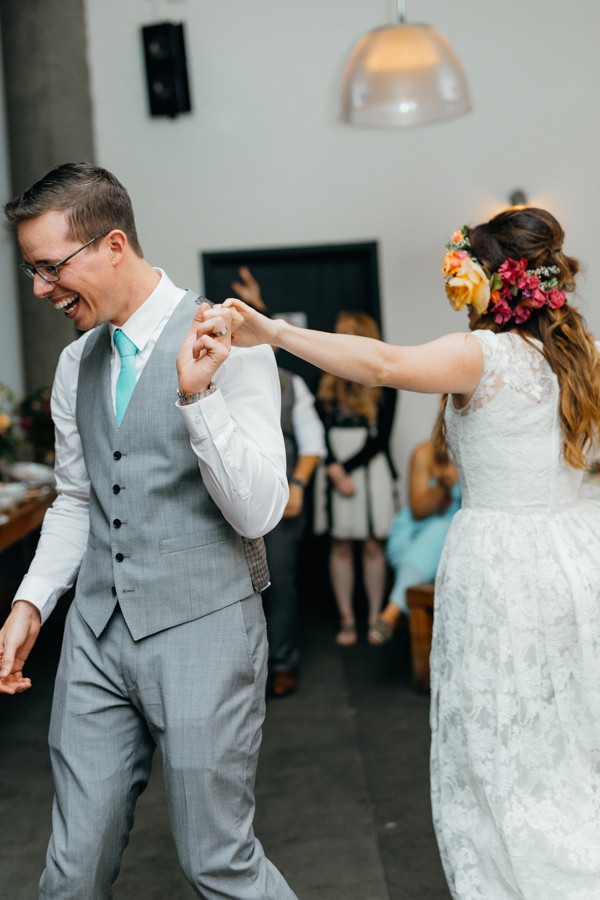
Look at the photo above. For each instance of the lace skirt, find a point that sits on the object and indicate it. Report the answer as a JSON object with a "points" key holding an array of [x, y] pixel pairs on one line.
{"points": [[515, 705]]}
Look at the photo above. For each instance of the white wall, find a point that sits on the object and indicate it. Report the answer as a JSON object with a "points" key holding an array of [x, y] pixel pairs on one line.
{"points": [[262, 161], [11, 364]]}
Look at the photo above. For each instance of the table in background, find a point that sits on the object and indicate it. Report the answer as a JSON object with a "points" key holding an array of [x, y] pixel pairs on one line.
{"points": [[16, 552]]}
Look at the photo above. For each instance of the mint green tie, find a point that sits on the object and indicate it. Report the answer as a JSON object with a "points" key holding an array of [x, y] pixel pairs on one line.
{"points": [[127, 377]]}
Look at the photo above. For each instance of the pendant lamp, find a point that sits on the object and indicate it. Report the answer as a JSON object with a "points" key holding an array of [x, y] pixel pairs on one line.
{"points": [[401, 75]]}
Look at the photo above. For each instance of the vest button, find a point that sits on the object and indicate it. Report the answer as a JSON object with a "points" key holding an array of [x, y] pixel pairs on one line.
{"points": [[116, 488], [117, 523], [119, 557], [117, 454], [113, 591]]}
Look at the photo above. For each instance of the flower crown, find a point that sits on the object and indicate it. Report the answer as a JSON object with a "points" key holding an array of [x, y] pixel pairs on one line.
{"points": [[512, 292]]}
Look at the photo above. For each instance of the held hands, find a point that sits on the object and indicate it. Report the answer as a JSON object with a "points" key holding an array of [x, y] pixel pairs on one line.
{"points": [[252, 328], [17, 637], [205, 347]]}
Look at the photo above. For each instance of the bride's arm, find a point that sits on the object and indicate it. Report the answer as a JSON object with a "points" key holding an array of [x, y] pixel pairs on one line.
{"points": [[452, 364]]}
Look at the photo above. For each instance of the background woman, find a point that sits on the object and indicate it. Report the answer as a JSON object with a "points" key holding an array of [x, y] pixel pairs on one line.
{"points": [[355, 491], [417, 534], [515, 706]]}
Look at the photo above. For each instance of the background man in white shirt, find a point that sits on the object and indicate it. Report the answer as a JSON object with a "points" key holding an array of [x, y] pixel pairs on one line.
{"points": [[304, 438], [163, 495]]}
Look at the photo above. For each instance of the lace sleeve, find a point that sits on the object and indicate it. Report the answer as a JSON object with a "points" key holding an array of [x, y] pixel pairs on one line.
{"points": [[492, 378], [510, 361]]}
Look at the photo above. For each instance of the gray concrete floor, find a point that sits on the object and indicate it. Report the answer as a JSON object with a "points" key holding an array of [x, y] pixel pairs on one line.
{"points": [[342, 793]]}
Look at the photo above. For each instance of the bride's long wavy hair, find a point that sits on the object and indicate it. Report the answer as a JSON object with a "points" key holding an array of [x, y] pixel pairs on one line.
{"points": [[535, 235]]}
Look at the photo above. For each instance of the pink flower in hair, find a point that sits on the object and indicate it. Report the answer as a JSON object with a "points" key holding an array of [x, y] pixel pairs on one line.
{"points": [[514, 271], [536, 297], [501, 311], [522, 314], [556, 298], [530, 282]]}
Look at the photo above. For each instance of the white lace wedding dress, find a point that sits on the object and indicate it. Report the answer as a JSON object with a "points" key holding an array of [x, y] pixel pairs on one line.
{"points": [[515, 668]]}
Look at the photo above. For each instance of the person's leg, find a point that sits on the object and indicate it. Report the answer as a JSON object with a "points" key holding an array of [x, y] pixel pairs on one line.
{"points": [[408, 575], [402, 532], [281, 598], [374, 576], [418, 565], [341, 570], [206, 714], [101, 755]]}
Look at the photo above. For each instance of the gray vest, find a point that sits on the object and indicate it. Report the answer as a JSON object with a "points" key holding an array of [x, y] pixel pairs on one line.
{"points": [[158, 543]]}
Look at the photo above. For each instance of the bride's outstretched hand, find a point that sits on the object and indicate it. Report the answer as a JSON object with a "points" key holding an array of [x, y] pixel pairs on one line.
{"points": [[250, 327]]}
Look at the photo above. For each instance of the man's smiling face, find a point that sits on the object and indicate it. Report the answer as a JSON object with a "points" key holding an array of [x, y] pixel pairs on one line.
{"points": [[81, 293]]}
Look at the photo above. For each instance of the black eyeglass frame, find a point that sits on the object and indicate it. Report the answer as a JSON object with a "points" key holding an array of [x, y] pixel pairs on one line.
{"points": [[51, 273]]}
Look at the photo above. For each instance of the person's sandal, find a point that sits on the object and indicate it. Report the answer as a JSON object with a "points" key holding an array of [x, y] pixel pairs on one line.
{"points": [[380, 633], [346, 636]]}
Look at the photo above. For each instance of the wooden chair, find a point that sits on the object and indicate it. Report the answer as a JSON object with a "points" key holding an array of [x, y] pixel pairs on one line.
{"points": [[420, 603]]}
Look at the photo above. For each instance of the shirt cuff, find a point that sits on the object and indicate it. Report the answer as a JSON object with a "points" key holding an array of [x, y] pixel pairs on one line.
{"points": [[39, 593], [205, 417]]}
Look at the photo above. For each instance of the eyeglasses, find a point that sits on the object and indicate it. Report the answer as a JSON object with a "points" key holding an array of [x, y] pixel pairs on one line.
{"points": [[48, 271]]}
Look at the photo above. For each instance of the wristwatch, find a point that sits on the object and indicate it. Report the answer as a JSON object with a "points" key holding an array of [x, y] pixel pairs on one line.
{"points": [[186, 399], [298, 481]]}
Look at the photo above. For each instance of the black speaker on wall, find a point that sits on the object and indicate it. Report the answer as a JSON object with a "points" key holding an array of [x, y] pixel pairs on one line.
{"points": [[166, 69]]}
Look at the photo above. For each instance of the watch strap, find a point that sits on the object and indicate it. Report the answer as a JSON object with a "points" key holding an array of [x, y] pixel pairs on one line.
{"points": [[186, 399]]}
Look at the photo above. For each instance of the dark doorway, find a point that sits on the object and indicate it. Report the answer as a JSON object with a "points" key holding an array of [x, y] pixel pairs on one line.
{"points": [[317, 281]]}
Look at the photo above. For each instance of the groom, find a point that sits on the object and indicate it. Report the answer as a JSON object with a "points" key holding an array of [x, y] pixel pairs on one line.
{"points": [[170, 465]]}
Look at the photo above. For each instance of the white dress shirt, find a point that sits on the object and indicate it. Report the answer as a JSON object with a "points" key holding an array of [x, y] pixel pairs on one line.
{"points": [[306, 424], [234, 432]]}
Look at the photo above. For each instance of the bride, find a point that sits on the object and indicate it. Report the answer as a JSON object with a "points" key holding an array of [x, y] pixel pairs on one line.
{"points": [[515, 668]]}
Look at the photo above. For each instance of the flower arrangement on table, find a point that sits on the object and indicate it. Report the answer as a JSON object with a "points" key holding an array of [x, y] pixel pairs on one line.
{"points": [[512, 292], [36, 423], [12, 443]]}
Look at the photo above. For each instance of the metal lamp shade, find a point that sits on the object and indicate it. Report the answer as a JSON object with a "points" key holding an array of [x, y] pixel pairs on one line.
{"points": [[403, 75]]}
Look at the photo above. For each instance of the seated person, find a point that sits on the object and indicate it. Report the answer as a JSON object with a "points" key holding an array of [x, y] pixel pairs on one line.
{"points": [[417, 532]]}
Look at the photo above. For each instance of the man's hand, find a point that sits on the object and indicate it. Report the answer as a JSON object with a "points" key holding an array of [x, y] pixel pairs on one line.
{"points": [[248, 290], [205, 347], [17, 637]]}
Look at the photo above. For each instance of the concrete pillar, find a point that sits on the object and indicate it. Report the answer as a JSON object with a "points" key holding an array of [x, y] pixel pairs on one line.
{"points": [[49, 121]]}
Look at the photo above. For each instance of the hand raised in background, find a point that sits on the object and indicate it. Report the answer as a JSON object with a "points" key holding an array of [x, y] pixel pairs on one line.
{"points": [[248, 290]]}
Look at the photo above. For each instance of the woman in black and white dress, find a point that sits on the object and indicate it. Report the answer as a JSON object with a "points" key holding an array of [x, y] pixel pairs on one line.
{"points": [[355, 489]]}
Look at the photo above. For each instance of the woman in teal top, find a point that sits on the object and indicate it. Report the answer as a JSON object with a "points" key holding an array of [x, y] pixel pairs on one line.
{"points": [[417, 533]]}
